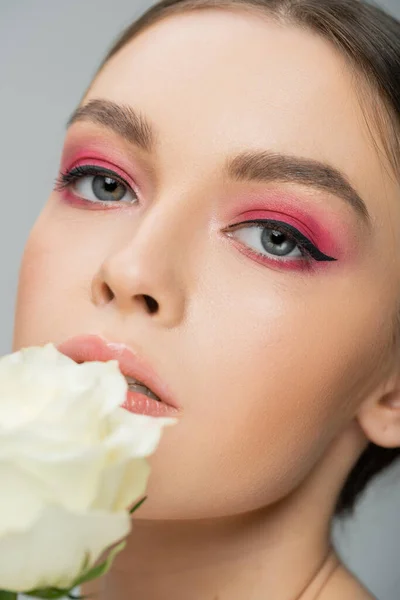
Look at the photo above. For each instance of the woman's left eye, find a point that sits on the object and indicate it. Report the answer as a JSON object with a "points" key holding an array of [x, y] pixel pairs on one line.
{"points": [[276, 239], [97, 185]]}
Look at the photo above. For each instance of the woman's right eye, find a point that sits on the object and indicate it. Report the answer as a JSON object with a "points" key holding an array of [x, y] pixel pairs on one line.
{"points": [[96, 185]]}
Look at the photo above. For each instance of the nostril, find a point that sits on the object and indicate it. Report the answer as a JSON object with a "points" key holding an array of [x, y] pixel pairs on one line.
{"points": [[101, 293], [107, 293], [151, 303]]}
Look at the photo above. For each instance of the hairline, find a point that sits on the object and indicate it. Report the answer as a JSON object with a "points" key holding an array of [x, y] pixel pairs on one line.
{"points": [[385, 133]]}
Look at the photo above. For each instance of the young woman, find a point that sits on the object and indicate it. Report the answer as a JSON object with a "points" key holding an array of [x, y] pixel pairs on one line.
{"points": [[226, 222]]}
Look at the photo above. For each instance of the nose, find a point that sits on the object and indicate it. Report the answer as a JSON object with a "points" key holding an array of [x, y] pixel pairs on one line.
{"points": [[145, 273]]}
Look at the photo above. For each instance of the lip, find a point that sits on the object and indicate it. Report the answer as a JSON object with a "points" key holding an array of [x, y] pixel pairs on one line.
{"points": [[86, 348]]}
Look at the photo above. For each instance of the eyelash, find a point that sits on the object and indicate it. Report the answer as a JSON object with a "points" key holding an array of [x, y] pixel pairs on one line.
{"points": [[307, 249], [66, 179]]}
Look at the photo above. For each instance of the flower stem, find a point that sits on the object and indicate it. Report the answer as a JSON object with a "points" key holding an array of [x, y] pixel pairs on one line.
{"points": [[8, 595]]}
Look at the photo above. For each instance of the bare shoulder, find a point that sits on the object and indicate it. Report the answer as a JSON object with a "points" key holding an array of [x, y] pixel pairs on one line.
{"points": [[344, 585]]}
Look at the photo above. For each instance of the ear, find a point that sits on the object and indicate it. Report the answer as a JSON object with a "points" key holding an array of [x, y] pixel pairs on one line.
{"points": [[379, 417]]}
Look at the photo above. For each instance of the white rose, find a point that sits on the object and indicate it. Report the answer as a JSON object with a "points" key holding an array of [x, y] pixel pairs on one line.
{"points": [[71, 465]]}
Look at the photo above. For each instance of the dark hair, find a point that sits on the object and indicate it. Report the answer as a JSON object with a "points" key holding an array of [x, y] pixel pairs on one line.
{"points": [[370, 39]]}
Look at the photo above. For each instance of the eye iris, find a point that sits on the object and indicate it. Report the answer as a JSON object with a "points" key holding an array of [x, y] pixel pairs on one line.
{"points": [[277, 242], [107, 188]]}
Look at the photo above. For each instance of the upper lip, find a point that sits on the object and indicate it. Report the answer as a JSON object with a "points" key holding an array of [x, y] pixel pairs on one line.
{"points": [[95, 348]]}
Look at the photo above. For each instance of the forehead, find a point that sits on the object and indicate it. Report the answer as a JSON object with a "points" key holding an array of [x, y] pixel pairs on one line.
{"points": [[237, 80]]}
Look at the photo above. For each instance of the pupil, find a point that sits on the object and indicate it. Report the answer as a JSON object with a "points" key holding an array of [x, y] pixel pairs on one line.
{"points": [[278, 237], [110, 184], [107, 189], [278, 243]]}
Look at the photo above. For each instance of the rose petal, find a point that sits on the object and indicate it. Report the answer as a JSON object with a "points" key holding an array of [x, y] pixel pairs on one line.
{"points": [[121, 484], [21, 499], [52, 553]]}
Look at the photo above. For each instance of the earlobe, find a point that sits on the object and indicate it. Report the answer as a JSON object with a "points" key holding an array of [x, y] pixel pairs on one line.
{"points": [[380, 420]]}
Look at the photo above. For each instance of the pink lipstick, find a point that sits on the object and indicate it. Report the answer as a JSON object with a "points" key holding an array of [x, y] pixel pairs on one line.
{"points": [[147, 394]]}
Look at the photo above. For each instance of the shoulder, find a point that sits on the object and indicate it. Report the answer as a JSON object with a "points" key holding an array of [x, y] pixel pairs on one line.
{"points": [[344, 585]]}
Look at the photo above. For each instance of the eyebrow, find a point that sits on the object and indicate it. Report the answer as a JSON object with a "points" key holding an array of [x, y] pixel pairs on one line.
{"points": [[268, 166], [123, 120], [259, 166]]}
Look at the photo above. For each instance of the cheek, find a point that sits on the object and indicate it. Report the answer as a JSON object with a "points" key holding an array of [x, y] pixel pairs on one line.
{"points": [[52, 278], [37, 297], [271, 382]]}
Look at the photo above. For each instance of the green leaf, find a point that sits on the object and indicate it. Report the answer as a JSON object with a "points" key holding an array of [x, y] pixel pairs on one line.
{"points": [[137, 505], [50, 593], [8, 595], [101, 569]]}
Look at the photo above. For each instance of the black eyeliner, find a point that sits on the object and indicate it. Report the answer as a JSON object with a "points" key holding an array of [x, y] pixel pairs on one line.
{"points": [[294, 234]]}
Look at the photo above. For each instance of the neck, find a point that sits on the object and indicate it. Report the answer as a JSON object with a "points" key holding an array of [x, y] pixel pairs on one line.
{"points": [[214, 559], [280, 551]]}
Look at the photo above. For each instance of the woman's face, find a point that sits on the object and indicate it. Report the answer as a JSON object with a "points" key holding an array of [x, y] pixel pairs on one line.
{"points": [[268, 345]]}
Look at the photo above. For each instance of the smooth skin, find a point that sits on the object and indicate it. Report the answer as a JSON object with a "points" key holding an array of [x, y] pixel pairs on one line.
{"points": [[282, 374]]}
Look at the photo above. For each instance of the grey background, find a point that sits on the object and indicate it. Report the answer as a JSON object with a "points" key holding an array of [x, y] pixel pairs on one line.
{"points": [[49, 49]]}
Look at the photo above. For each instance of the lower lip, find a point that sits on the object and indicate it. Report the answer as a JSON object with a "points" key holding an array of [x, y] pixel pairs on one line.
{"points": [[143, 405]]}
